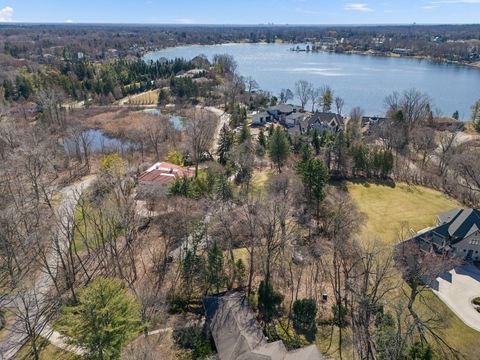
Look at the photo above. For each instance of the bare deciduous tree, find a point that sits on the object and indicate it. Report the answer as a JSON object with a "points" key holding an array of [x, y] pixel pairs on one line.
{"points": [[200, 132], [303, 90]]}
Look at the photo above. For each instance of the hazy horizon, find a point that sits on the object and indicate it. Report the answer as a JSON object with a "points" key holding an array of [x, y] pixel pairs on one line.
{"points": [[247, 12]]}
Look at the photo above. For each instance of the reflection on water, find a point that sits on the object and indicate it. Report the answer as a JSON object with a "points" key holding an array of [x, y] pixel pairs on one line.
{"points": [[97, 142], [176, 121], [360, 80]]}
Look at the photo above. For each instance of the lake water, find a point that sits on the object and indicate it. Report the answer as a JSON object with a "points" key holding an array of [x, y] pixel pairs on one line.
{"points": [[360, 80]]}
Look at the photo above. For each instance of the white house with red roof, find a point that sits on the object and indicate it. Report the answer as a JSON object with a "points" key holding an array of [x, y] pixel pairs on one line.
{"points": [[164, 173]]}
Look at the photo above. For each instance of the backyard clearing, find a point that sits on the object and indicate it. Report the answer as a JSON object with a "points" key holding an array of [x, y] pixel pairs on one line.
{"points": [[389, 207], [386, 208]]}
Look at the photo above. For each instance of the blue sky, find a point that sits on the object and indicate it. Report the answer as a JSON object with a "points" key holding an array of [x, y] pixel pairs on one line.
{"points": [[242, 11]]}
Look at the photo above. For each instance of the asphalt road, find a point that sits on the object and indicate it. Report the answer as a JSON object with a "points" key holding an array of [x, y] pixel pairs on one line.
{"points": [[43, 286]]}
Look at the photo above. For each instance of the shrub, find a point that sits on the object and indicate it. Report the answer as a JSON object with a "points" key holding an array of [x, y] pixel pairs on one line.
{"points": [[177, 304], [339, 315], [287, 334], [269, 301], [194, 339], [304, 314], [175, 157], [476, 301]]}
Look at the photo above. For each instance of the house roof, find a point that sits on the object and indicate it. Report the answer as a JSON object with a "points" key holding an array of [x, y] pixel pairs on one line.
{"points": [[448, 216], [295, 116], [307, 353], [283, 108], [463, 223], [261, 114], [238, 335], [233, 325], [454, 226], [324, 118], [164, 173]]}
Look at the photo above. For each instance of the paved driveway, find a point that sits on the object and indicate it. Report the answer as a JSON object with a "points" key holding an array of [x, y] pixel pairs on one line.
{"points": [[457, 288]]}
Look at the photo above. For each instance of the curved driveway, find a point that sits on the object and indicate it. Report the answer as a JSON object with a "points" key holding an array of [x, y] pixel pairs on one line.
{"points": [[457, 288]]}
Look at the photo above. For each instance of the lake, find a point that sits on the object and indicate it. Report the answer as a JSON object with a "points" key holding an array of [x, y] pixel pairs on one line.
{"points": [[360, 80]]}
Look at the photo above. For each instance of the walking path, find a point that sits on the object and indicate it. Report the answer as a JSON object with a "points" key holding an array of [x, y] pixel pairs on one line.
{"points": [[224, 119]]}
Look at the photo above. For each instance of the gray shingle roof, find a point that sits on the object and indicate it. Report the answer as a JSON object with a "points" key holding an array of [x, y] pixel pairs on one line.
{"points": [[463, 222], [233, 325], [455, 225], [284, 108], [448, 216], [238, 335]]}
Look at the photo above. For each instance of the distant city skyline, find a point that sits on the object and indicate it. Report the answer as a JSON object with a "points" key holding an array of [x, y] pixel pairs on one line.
{"points": [[309, 12]]}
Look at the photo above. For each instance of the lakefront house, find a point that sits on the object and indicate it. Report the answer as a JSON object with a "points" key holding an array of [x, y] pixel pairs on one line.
{"points": [[278, 113]]}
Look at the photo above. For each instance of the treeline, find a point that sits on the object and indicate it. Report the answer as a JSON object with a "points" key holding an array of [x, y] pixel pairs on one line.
{"points": [[82, 79], [104, 42]]}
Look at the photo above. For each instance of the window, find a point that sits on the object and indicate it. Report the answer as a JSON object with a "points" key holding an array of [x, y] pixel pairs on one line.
{"points": [[475, 242]]}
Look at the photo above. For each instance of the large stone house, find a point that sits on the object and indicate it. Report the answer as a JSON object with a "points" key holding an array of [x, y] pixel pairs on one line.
{"points": [[457, 233], [238, 335], [282, 113], [323, 122]]}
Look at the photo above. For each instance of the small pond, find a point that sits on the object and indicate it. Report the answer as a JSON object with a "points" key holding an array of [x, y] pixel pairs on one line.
{"points": [[177, 121], [99, 142]]}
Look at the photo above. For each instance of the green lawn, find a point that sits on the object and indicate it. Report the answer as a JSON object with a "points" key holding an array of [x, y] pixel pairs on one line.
{"points": [[49, 352], [386, 208], [259, 179], [88, 230]]}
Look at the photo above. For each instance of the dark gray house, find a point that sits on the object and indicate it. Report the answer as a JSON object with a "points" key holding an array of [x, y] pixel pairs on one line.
{"points": [[457, 233], [281, 111], [238, 335], [323, 122]]}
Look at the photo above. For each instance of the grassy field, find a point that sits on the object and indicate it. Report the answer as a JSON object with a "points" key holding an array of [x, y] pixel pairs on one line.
{"points": [[88, 230], [49, 352], [386, 209], [259, 180]]}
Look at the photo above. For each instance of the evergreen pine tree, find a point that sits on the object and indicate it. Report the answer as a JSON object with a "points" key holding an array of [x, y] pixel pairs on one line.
{"points": [[104, 320], [240, 272], [262, 140], [268, 301], [224, 189], [316, 143], [244, 134], [279, 148], [215, 270], [225, 143], [314, 176]]}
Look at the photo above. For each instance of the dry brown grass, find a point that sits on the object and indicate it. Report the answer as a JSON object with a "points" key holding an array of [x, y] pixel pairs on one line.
{"points": [[146, 98], [115, 121]]}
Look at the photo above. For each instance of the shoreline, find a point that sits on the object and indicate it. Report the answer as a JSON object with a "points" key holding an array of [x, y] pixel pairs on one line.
{"points": [[474, 65]]}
